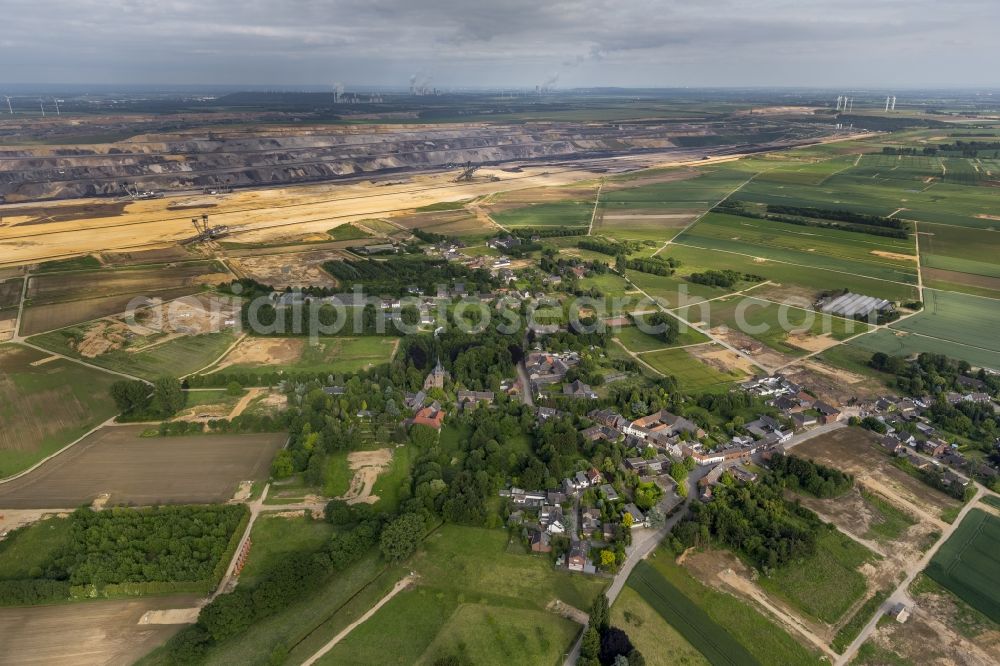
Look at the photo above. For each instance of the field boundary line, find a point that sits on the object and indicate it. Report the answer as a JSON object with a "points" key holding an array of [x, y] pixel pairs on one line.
{"points": [[687, 323], [792, 263], [663, 349], [82, 362], [229, 349], [49, 457]]}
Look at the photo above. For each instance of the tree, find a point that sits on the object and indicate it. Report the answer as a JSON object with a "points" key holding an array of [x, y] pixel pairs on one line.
{"points": [[614, 642], [168, 397], [283, 465], [590, 647], [607, 560], [234, 388], [401, 536], [599, 612], [130, 395]]}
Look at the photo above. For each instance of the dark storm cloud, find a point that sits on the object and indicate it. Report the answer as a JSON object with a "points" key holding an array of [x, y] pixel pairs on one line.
{"points": [[513, 43]]}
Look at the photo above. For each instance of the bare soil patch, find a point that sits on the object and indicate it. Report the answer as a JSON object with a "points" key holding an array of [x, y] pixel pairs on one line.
{"points": [[722, 359], [929, 636], [811, 343], [957, 277], [144, 471], [263, 351], [854, 450], [366, 465], [894, 255], [758, 350], [84, 634], [301, 269], [834, 385]]}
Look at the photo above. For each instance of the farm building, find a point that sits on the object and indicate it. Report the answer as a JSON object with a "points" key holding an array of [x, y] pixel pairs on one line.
{"points": [[856, 305]]}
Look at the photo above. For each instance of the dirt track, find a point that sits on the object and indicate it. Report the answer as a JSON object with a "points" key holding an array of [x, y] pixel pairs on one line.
{"points": [[134, 470]]}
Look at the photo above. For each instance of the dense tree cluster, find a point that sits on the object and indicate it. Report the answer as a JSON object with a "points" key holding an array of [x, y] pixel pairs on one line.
{"points": [[818, 480], [149, 550], [655, 265], [394, 276], [756, 521], [724, 278], [607, 246], [138, 401], [932, 374]]}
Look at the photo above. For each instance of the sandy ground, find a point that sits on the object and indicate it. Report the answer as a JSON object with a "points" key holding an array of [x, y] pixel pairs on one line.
{"points": [[366, 465], [264, 215], [722, 359], [812, 343], [760, 352], [11, 519], [288, 270], [831, 384], [930, 636], [263, 351], [894, 255], [84, 634]]}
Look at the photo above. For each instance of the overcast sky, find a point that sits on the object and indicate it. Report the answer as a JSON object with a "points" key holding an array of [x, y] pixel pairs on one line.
{"points": [[665, 43]]}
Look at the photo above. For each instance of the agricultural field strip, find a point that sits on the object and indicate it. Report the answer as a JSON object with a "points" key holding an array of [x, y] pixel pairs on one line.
{"points": [[636, 356], [790, 263], [676, 316], [78, 361], [663, 349], [709, 209]]}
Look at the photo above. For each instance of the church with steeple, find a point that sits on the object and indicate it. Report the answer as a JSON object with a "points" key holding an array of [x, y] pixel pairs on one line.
{"points": [[437, 377]]}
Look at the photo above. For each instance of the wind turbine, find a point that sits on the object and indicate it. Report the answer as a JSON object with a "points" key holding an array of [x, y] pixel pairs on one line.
{"points": [[57, 106], [42, 105], [9, 107]]}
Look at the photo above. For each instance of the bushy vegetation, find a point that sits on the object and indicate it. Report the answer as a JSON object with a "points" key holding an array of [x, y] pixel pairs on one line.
{"points": [[756, 521], [653, 265], [138, 401], [725, 278], [875, 225], [607, 246], [395, 275], [818, 480], [132, 551]]}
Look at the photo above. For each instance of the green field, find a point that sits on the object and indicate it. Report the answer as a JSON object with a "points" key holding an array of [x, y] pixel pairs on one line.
{"points": [[347, 232], [969, 562], [691, 374], [45, 407], [969, 320], [659, 643], [637, 341], [336, 355], [472, 587], [957, 325], [770, 323], [273, 537], [557, 214], [303, 627], [826, 584], [672, 291], [961, 249], [723, 628], [25, 551], [176, 358], [391, 483], [888, 522], [694, 259], [812, 247]]}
